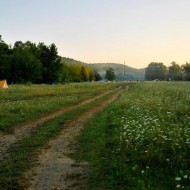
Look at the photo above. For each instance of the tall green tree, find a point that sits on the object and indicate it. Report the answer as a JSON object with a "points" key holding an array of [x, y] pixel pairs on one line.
{"points": [[1, 41], [91, 75], [51, 63], [186, 69], [5, 65], [66, 73], [156, 71], [25, 67], [75, 71], [84, 74], [175, 72], [97, 76], [4, 48], [18, 45], [110, 74]]}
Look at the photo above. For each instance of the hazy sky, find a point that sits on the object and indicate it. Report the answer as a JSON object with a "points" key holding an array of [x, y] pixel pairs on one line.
{"points": [[96, 31]]}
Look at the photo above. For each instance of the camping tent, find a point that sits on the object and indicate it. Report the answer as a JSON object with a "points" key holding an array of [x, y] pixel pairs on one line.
{"points": [[3, 84]]}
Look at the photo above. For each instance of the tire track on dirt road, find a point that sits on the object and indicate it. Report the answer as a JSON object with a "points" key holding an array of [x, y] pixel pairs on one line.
{"points": [[8, 141], [54, 169]]}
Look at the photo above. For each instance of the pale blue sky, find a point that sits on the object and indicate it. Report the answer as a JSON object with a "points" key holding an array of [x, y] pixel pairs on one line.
{"points": [[95, 31]]}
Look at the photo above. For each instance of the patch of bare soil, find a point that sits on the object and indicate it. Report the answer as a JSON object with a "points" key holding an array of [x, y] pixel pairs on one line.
{"points": [[20, 131], [54, 169]]}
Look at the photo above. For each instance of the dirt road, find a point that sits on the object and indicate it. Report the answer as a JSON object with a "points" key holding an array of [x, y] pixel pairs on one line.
{"points": [[54, 169], [22, 130]]}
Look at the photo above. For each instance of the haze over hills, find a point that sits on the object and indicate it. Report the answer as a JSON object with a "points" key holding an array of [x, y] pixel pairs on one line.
{"points": [[123, 72]]}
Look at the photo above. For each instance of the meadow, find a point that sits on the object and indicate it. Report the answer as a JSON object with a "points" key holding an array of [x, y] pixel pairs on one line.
{"points": [[142, 140], [21, 154], [139, 142], [22, 103]]}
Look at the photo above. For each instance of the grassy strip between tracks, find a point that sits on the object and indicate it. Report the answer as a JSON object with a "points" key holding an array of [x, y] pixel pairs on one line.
{"points": [[23, 155]]}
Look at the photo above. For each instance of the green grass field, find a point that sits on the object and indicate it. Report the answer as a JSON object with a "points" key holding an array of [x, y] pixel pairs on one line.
{"points": [[139, 142], [142, 141], [23, 155], [21, 103]]}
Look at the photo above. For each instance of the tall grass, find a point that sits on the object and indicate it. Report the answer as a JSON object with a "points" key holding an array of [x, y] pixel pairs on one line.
{"points": [[144, 142]]}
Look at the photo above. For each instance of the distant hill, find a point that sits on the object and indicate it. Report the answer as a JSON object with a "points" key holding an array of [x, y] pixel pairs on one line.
{"points": [[71, 61], [123, 72]]}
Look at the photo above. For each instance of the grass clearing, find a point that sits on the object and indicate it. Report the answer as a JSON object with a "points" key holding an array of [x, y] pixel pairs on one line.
{"points": [[141, 141]]}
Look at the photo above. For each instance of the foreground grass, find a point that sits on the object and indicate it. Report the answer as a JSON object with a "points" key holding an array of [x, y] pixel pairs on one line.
{"points": [[142, 141], [21, 103], [23, 155]]}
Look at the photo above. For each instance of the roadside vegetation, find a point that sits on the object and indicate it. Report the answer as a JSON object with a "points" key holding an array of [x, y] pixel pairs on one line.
{"points": [[142, 140]]}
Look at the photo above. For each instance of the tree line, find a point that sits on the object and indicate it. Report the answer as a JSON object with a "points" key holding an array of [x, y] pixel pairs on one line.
{"points": [[39, 63], [158, 71]]}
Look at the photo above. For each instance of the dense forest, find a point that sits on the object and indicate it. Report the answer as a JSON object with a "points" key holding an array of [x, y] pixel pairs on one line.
{"points": [[175, 72], [27, 62]]}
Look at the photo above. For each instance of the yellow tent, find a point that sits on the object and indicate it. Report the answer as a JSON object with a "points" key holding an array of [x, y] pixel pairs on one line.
{"points": [[3, 84]]}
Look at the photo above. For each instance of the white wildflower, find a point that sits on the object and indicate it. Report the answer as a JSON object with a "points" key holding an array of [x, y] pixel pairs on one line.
{"points": [[185, 176], [178, 185], [178, 178]]}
